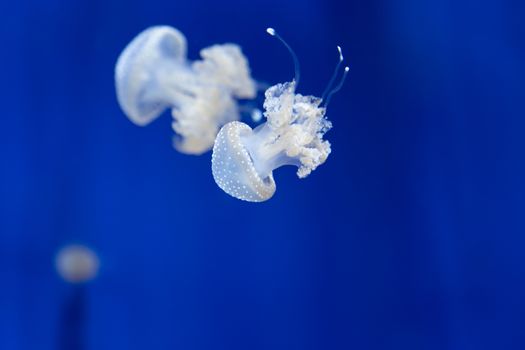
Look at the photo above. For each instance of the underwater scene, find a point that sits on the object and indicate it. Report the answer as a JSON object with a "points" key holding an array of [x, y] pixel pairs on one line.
{"points": [[262, 175]]}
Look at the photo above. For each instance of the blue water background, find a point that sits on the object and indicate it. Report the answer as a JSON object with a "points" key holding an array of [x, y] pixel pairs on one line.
{"points": [[410, 236]]}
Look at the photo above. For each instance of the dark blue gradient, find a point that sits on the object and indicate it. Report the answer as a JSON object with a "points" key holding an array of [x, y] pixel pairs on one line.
{"points": [[410, 236]]}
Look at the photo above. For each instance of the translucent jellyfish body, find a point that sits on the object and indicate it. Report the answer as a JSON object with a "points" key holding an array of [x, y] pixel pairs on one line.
{"points": [[153, 74], [243, 159]]}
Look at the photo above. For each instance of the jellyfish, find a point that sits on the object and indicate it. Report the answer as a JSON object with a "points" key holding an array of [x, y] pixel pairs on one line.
{"points": [[244, 159], [77, 263], [153, 74]]}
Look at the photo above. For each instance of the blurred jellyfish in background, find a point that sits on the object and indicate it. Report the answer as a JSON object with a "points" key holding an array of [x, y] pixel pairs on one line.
{"points": [[77, 263], [153, 74], [243, 159]]}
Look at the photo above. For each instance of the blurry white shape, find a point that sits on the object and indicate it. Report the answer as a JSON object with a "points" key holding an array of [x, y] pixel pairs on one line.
{"points": [[77, 263], [256, 115], [153, 74]]}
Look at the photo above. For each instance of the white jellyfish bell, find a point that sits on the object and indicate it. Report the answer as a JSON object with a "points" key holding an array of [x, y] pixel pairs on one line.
{"points": [[243, 159], [153, 74]]}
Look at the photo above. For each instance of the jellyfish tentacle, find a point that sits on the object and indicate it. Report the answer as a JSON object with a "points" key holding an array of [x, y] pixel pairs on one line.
{"points": [[297, 67], [334, 75], [338, 87]]}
